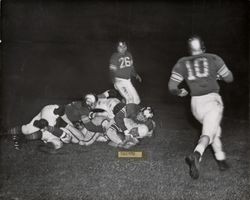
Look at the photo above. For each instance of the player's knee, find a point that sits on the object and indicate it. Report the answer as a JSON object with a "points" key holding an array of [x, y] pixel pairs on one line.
{"points": [[28, 129]]}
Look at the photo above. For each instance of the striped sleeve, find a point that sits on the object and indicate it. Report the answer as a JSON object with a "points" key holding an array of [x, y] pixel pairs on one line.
{"points": [[178, 72], [176, 77], [223, 71], [113, 62], [112, 67]]}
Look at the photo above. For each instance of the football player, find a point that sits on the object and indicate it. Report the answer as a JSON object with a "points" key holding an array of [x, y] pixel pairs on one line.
{"points": [[131, 122], [111, 93], [35, 129], [201, 71], [122, 69], [101, 106], [78, 120]]}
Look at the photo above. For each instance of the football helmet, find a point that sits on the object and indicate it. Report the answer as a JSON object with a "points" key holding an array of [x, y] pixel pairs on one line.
{"points": [[122, 47], [196, 45], [90, 99], [147, 112]]}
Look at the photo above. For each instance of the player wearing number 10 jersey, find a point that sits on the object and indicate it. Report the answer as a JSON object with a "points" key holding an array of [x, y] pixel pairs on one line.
{"points": [[122, 68], [201, 71]]}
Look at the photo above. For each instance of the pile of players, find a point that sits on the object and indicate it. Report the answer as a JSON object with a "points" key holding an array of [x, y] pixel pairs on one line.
{"points": [[97, 118]]}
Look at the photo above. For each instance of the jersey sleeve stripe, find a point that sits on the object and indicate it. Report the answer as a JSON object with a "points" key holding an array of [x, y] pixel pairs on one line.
{"points": [[225, 74], [176, 77], [224, 71], [177, 80], [112, 67], [222, 68]]}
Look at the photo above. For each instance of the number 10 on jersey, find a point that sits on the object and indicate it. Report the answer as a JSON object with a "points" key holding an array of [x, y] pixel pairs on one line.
{"points": [[198, 68]]}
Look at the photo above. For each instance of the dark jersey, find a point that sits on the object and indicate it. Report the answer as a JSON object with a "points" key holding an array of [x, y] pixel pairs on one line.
{"points": [[121, 65], [200, 73], [75, 110], [131, 111]]}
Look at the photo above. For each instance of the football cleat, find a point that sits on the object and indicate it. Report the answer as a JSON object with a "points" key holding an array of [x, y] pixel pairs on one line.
{"points": [[16, 134], [223, 165], [48, 148], [193, 162]]}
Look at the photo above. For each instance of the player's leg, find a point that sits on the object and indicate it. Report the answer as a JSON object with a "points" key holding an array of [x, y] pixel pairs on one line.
{"points": [[113, 134], [52, 143], [218, 151], [76, 134], [30, 128], [209, 128], [89, 137], [122, 87], [51, 113], [208, 112], [132, 91], [193, 160], [102, 138]]}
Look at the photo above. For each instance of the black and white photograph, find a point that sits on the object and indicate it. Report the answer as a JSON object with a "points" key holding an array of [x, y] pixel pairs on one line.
{"points": [[124, 100]]}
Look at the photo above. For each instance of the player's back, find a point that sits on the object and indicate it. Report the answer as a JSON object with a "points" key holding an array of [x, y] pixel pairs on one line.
{"points": [[200, 72], [107, 104], [75, 110]]}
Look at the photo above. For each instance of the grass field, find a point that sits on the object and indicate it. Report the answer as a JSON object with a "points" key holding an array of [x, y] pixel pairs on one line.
{"points": [[96, 172]]}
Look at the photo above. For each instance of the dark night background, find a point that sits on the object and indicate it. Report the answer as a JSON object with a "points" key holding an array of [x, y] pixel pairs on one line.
{"points": [[56, 51]]}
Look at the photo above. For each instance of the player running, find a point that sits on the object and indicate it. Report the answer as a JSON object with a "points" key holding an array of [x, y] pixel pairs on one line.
{"points": [[201, 71]]}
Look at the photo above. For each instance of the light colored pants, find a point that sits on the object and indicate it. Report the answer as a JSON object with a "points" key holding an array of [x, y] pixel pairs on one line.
{"points": [[46, 113], [208, 110], [127, 90]]}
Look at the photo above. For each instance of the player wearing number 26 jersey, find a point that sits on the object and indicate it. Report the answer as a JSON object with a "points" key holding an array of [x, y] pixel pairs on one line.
{"points": [[122, 69], [201, 71]]}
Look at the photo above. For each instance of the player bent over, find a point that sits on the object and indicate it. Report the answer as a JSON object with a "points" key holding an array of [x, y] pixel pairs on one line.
{"points": [[101, 105], [201, 71], [131, 123], [35, 129]]}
